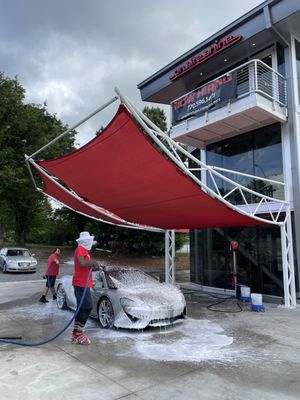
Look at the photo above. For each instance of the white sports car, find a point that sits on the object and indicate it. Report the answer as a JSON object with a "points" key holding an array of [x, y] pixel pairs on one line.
{"points": [[127, 298]]}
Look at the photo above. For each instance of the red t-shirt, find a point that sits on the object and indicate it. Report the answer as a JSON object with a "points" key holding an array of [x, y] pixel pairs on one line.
{"points": [[52, 268], [81, 273]]}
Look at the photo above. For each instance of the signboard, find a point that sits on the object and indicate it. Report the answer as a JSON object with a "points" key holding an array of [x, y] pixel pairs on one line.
{"points": [[207, 97], [210, 52]]}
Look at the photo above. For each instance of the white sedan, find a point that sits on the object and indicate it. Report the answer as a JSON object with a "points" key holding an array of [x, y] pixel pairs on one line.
{"points": [[128, 298], [17, 259]]}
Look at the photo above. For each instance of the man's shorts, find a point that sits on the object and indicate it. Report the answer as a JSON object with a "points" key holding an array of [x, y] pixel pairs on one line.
{"points": [[50, 281], [87, 304]]}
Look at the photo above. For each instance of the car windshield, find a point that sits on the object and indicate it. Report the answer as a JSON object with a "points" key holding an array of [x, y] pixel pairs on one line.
{"points": [[128, 278], [18, 252]]}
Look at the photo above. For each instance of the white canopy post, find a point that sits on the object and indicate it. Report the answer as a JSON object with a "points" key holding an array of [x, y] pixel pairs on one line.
{"points": [[170, 256], [288, 262]]}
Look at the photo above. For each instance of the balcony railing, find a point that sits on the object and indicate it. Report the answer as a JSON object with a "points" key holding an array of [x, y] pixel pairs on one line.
{"points": [[252, 77]]}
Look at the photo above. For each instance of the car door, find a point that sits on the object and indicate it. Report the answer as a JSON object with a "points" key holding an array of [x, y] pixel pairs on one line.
{"points": [[98, 287]]}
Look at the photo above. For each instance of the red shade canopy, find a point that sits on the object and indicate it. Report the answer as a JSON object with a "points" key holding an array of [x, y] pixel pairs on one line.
{"points": [[122, 171]]}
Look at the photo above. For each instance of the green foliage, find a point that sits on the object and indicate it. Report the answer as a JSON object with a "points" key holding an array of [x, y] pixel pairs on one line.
{"points": [[66, 226], [157, 115], [134, 241], [23, 129]]}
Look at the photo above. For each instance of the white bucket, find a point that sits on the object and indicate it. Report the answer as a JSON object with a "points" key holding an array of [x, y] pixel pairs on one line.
{"points": [[245, 291], [256, 299]]}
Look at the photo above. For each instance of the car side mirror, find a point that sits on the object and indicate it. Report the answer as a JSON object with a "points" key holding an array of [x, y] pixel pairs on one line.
{"points": [[32, 255], [156, 277]]}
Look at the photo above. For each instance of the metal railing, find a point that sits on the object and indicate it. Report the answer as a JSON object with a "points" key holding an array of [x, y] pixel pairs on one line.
{"points": [[256, 76], [251, 77]]}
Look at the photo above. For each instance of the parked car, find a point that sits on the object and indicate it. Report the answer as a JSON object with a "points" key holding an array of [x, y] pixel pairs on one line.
{"points": [[127, 298], [17, 259]]}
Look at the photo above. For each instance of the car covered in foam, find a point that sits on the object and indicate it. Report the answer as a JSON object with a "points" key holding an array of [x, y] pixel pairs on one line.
{"points": [[128, 298]]}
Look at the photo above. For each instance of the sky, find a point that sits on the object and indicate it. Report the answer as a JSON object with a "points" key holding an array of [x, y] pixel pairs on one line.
{"points": [[71, 54]]}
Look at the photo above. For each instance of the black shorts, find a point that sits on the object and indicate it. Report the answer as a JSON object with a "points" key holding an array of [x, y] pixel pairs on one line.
{"points": [[50, 281], [87, 304]]}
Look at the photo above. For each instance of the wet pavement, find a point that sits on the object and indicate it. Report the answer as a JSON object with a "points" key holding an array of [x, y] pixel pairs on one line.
{"points": [[222, 354]]}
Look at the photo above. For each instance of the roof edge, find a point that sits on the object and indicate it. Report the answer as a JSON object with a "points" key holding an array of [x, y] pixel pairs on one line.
{"points": [[233, 25]]}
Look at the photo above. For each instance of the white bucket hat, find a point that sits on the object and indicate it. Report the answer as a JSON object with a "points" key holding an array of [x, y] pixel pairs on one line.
{"points": [[85, 240]]}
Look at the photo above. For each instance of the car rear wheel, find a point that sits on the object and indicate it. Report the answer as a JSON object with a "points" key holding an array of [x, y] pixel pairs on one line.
{"points": [[106, 313], [61, 298], [4, 268]]}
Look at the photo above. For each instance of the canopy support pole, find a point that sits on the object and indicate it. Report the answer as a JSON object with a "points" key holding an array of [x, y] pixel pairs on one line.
{"points": [[288, 262], [170, 256], [74, 126]]}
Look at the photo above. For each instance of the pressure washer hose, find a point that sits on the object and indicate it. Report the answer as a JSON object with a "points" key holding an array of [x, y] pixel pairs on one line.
{"points": [[9, 341]]}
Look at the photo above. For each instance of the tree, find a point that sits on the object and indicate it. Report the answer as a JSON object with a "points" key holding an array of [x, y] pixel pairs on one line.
{"points": [[23, 129], [156, 115], [66, 226]]}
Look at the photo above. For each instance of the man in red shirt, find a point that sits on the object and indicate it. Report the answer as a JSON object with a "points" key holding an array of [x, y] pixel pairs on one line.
{"points": [[51, 273], [82, 265]]}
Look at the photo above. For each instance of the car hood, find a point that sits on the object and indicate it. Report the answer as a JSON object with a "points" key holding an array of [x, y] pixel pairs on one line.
{"points": [[157, 295], [20, 259]]}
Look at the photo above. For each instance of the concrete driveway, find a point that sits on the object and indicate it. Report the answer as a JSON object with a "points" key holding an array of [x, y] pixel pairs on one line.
{"points": [[212, 355]]}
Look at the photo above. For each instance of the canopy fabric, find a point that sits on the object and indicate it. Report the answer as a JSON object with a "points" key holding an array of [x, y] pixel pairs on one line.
{"points": [[123, 171], [56, 191]]}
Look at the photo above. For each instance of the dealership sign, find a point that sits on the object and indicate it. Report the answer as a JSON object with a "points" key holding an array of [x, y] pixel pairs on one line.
{"points": [[210, 52], [208, 97]]}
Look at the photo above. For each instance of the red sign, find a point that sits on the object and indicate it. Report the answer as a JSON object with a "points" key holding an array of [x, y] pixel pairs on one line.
{"points": [[214, 49]]}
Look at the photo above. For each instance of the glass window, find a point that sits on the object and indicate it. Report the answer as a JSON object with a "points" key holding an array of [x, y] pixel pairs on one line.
{"points": [[197, 154], [259, 264], [255, 153], [215, 272], [268, 161]]}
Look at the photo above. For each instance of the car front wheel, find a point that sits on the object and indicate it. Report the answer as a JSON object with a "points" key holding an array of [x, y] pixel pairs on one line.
{"points": [[61, 297], [106, 313]]}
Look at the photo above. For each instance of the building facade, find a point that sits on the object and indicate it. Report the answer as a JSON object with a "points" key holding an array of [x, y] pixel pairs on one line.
{"points": [[235, 103]]}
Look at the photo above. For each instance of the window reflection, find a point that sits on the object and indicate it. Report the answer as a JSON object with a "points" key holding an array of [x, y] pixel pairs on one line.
{"points": [[256, 153], [259, 258]]}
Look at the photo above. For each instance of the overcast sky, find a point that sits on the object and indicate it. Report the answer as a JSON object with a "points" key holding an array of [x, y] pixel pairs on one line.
{"points": [[72, 53]]}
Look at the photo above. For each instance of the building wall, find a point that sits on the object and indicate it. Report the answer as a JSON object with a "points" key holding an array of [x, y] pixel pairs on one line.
{"points": [[273, 23], [259, 264]]}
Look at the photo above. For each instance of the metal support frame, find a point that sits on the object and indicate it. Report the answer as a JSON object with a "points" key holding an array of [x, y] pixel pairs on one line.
{"points": [[266, 209], [170, 256], [108, 103], [288, 270]]}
